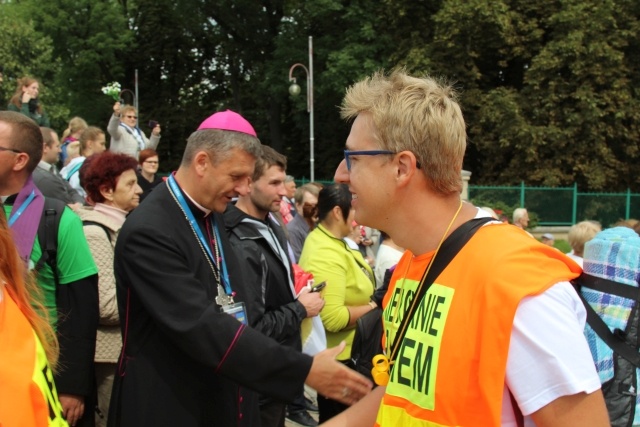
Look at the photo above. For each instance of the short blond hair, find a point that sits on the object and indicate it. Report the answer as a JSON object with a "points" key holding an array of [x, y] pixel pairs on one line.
{"points": [[581, 233], [420, 115], [73, 150], [126, 109]]}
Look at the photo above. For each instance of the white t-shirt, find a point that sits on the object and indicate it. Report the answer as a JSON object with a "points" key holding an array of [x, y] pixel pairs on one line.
{"points": [[386, 258], [548, 354], [74, 180], [578, 259]]}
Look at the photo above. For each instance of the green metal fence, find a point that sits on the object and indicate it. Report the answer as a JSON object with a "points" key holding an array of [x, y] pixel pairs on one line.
{"points": [[562, 206]]}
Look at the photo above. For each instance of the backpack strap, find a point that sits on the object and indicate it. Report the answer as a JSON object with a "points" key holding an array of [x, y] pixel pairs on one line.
{"points": [[615, 341], [48, 234], [609, 286], [73, 171], [97, 224]]}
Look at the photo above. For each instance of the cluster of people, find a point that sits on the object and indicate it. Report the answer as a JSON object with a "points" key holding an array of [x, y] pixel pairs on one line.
{"points": [[187, 309], [58, 173], [65, 204]]}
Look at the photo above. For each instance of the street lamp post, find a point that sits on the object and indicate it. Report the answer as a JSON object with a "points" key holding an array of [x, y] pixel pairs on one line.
{"points": [[294, 90], [134, 95]]}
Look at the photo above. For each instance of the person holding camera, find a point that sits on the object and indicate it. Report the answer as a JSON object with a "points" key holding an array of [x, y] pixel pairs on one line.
{"points": [[126, 136], [25, 101]]}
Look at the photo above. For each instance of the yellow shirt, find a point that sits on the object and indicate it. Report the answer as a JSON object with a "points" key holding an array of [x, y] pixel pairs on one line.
{"points": [[350, 282]]}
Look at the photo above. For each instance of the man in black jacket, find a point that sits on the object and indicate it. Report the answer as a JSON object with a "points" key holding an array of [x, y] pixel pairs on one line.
{"points": [[272, 306]]}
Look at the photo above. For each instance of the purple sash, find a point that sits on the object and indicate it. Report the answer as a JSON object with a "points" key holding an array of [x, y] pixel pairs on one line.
{"points": [[25, 227]]}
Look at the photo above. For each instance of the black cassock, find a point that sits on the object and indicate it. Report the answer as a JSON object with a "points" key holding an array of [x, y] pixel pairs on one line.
{"points": [[184, 362]]}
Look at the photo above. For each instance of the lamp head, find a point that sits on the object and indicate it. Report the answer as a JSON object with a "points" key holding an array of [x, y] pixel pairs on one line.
{"points": [[294, 89]]}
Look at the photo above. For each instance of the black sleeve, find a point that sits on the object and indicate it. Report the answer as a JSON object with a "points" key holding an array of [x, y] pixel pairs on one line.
{"points": [[279, 323], [181, 307], [77, 325], [282, 322]]}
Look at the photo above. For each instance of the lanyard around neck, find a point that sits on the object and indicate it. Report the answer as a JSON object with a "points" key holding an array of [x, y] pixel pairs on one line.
{"points": [[14, 217], [173, 186]]}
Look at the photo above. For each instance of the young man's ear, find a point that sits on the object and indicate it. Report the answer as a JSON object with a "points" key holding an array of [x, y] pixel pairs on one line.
{"points": [[407, 165]]}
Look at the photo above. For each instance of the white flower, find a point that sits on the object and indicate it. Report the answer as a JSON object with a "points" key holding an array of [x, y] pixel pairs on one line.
{"points": [[113, 90]]}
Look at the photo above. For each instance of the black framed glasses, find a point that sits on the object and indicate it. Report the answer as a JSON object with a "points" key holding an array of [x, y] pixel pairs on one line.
{"points": [[13, 150], [348, 153], [131, 117]]}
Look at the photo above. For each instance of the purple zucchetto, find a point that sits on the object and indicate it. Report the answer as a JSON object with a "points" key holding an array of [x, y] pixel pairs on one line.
{"points": [[228, 120]]}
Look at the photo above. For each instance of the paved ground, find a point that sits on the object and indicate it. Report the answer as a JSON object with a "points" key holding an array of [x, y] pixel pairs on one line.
{"points": [[311, 394]]}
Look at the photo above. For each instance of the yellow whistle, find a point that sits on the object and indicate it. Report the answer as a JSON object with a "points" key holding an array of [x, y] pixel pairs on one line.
{"points": [[380, 370]]}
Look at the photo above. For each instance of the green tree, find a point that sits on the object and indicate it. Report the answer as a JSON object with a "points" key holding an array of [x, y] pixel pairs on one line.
{"points": [[548, 89], [26, 52], [581, 100], [349, 43], [90, 38]]}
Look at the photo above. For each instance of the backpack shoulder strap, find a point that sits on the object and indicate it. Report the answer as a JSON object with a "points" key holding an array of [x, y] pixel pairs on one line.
{"points": [[97, 224], [608, 286], [73, 171], [615, 341], [48, 234]]}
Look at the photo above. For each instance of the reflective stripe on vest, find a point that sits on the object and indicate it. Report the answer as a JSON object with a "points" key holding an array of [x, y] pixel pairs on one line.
{"points": [[28, 397]]}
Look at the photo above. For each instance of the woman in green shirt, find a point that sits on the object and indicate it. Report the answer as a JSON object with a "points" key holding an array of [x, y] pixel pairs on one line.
{"points": [[25, 101], [350, 280]]}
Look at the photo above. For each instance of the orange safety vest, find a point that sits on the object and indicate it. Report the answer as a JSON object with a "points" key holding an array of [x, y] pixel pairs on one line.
{"points": [[28, 396], [450, 367]]}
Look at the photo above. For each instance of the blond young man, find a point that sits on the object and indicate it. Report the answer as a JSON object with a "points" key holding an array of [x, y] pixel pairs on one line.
{"points": [[497, 338]]}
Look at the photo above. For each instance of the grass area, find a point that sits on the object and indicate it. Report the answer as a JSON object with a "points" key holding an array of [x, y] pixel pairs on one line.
{"points": [[562, 245]]}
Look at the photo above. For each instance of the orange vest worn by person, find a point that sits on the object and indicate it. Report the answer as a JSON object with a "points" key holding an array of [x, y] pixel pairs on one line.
{"points": [[28, 396], [450, 367]]}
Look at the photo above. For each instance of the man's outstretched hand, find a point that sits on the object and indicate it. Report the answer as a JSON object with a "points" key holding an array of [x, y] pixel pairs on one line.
{"points": [[334, 380]]}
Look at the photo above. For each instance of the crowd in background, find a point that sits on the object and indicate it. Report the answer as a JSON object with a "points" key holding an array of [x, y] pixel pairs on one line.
{"points": [[310, 229], [100, 184]]}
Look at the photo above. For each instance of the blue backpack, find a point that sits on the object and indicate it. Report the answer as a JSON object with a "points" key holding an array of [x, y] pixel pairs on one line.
{"points": [[609, 290]]}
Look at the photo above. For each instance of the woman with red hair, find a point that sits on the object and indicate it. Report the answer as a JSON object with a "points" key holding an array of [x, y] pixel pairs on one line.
{"points": [[28, 345], [148, 176], [113, 191]]}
